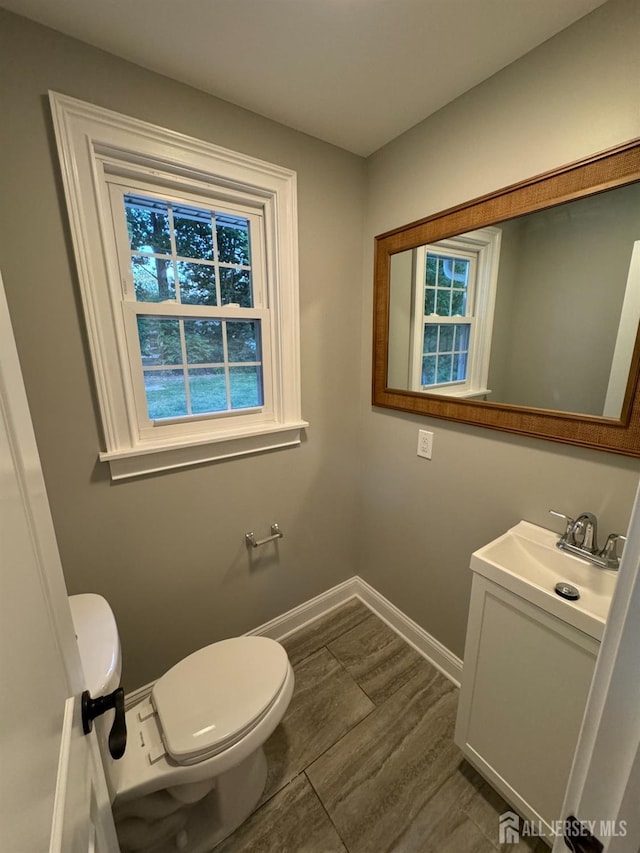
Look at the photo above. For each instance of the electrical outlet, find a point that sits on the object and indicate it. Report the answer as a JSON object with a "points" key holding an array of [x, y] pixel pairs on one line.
{"points": [[425, 443]]}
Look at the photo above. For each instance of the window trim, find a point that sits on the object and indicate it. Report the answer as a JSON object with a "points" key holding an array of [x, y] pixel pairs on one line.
{"points": [[484, 245], [94, 143]]}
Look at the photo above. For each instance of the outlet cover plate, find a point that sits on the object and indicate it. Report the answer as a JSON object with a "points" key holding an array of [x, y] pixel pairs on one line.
{"points": [[425, 443]]}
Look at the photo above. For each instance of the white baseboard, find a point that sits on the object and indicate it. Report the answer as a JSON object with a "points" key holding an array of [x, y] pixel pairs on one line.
{"points": [[306, 613], [426, 645], [430, 648]]}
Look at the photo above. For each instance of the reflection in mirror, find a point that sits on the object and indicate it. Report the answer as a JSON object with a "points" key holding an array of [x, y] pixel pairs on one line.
{"points": [[540, 311]]}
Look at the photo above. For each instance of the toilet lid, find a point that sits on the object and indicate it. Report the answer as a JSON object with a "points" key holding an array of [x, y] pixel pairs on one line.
{"points": [[213, 697]]}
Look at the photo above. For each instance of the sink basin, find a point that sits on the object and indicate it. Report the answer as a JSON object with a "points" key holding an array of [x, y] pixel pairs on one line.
{"points": [[526, 561]]}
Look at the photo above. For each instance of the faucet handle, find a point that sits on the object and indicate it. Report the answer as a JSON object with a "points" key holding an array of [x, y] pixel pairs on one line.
{"points": [[610, 551], [569, 521]]}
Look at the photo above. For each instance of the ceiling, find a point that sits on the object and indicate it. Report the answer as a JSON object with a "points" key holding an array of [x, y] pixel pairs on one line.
{"points": [[356, 73]]}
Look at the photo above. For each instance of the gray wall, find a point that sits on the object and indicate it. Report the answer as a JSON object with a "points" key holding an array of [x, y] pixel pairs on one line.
{"points": [[573, 266], [420, 520], [168, 551]]}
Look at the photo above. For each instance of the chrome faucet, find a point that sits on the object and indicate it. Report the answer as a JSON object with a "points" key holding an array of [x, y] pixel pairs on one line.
{"points": [[581, 538], [585, 532]]}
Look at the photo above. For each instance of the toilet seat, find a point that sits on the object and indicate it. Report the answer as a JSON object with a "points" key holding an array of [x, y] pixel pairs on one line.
{"points": [[215, 696]]}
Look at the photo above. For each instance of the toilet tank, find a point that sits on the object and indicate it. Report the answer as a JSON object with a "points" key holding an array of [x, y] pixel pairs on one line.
{"points": [[98, 642]]}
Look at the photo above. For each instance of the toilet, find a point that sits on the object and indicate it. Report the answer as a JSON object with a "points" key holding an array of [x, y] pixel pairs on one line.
{"points": [[194, 767]]}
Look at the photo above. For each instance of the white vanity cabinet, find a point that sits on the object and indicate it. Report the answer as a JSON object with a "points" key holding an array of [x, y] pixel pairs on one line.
{"points": [[524, 689]]}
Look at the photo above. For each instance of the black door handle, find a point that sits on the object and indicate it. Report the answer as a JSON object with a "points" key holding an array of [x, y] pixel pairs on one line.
{"points": [[92, 708], [578, 838]]}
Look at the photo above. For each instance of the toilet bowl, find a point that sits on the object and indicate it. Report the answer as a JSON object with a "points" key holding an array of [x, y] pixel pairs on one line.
{"points": [[194, 767]]}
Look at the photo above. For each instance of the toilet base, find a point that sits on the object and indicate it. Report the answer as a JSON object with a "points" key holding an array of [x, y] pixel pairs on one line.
{"points": [[197, 827]]}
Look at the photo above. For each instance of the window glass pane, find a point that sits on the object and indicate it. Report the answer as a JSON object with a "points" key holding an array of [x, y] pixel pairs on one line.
{"points": [[203, 339], [443, 302], [153, 279], [159, 341], [208, 389], [460, 367], [446, 339], [246, 387], [243, 340], [194, 237], [461, 272], [445, 272], [428, 369], [148, 225], [430, 339], [235, 286], [166, 395], [458, 302], [462, 337], [445, 364], [429, 301], [432, 264], [233, 239], [197, 284]]}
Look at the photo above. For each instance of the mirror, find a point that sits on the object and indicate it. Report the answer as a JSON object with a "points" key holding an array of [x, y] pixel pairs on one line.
{"points": [[520, 310], [527, 312]]}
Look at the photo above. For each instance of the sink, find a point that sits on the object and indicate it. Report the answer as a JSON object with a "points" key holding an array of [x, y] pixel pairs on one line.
{"points": [[526, 645], [525, 560]]}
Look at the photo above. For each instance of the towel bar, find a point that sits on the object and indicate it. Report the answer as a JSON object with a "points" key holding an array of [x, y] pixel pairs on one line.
{"points": [[276, 533]]}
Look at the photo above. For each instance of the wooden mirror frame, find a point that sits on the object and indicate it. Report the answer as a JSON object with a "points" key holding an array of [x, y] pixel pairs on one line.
{"points": [[613, 168]]}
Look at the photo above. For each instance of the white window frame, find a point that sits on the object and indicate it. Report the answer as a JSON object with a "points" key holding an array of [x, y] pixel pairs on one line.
{"points": [[100, 149], [482, 248]]}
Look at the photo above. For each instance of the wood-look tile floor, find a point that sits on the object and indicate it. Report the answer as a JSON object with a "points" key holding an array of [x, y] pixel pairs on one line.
{"points": [[364, 759]]}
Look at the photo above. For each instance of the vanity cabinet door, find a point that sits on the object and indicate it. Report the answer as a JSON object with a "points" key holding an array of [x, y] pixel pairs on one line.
{"points": [[524, 690]]}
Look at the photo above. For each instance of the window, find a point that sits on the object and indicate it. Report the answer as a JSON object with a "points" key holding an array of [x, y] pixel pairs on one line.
{"points": [[173, 256], [187, 257], [454, 294]]}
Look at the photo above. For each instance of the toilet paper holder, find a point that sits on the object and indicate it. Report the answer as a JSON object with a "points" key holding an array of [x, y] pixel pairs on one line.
{"points": [[251, 540]]}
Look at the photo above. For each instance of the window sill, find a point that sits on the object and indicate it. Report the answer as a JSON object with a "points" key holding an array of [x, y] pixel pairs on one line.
{"points": [[151, 458], [466, 395]]}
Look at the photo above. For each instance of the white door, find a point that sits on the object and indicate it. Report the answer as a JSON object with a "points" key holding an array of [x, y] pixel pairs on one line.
{"points": [[604, 786], [53, 794]]}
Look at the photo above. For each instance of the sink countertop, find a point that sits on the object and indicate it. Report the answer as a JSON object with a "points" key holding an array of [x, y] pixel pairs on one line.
{"points": [[526, 561]]}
